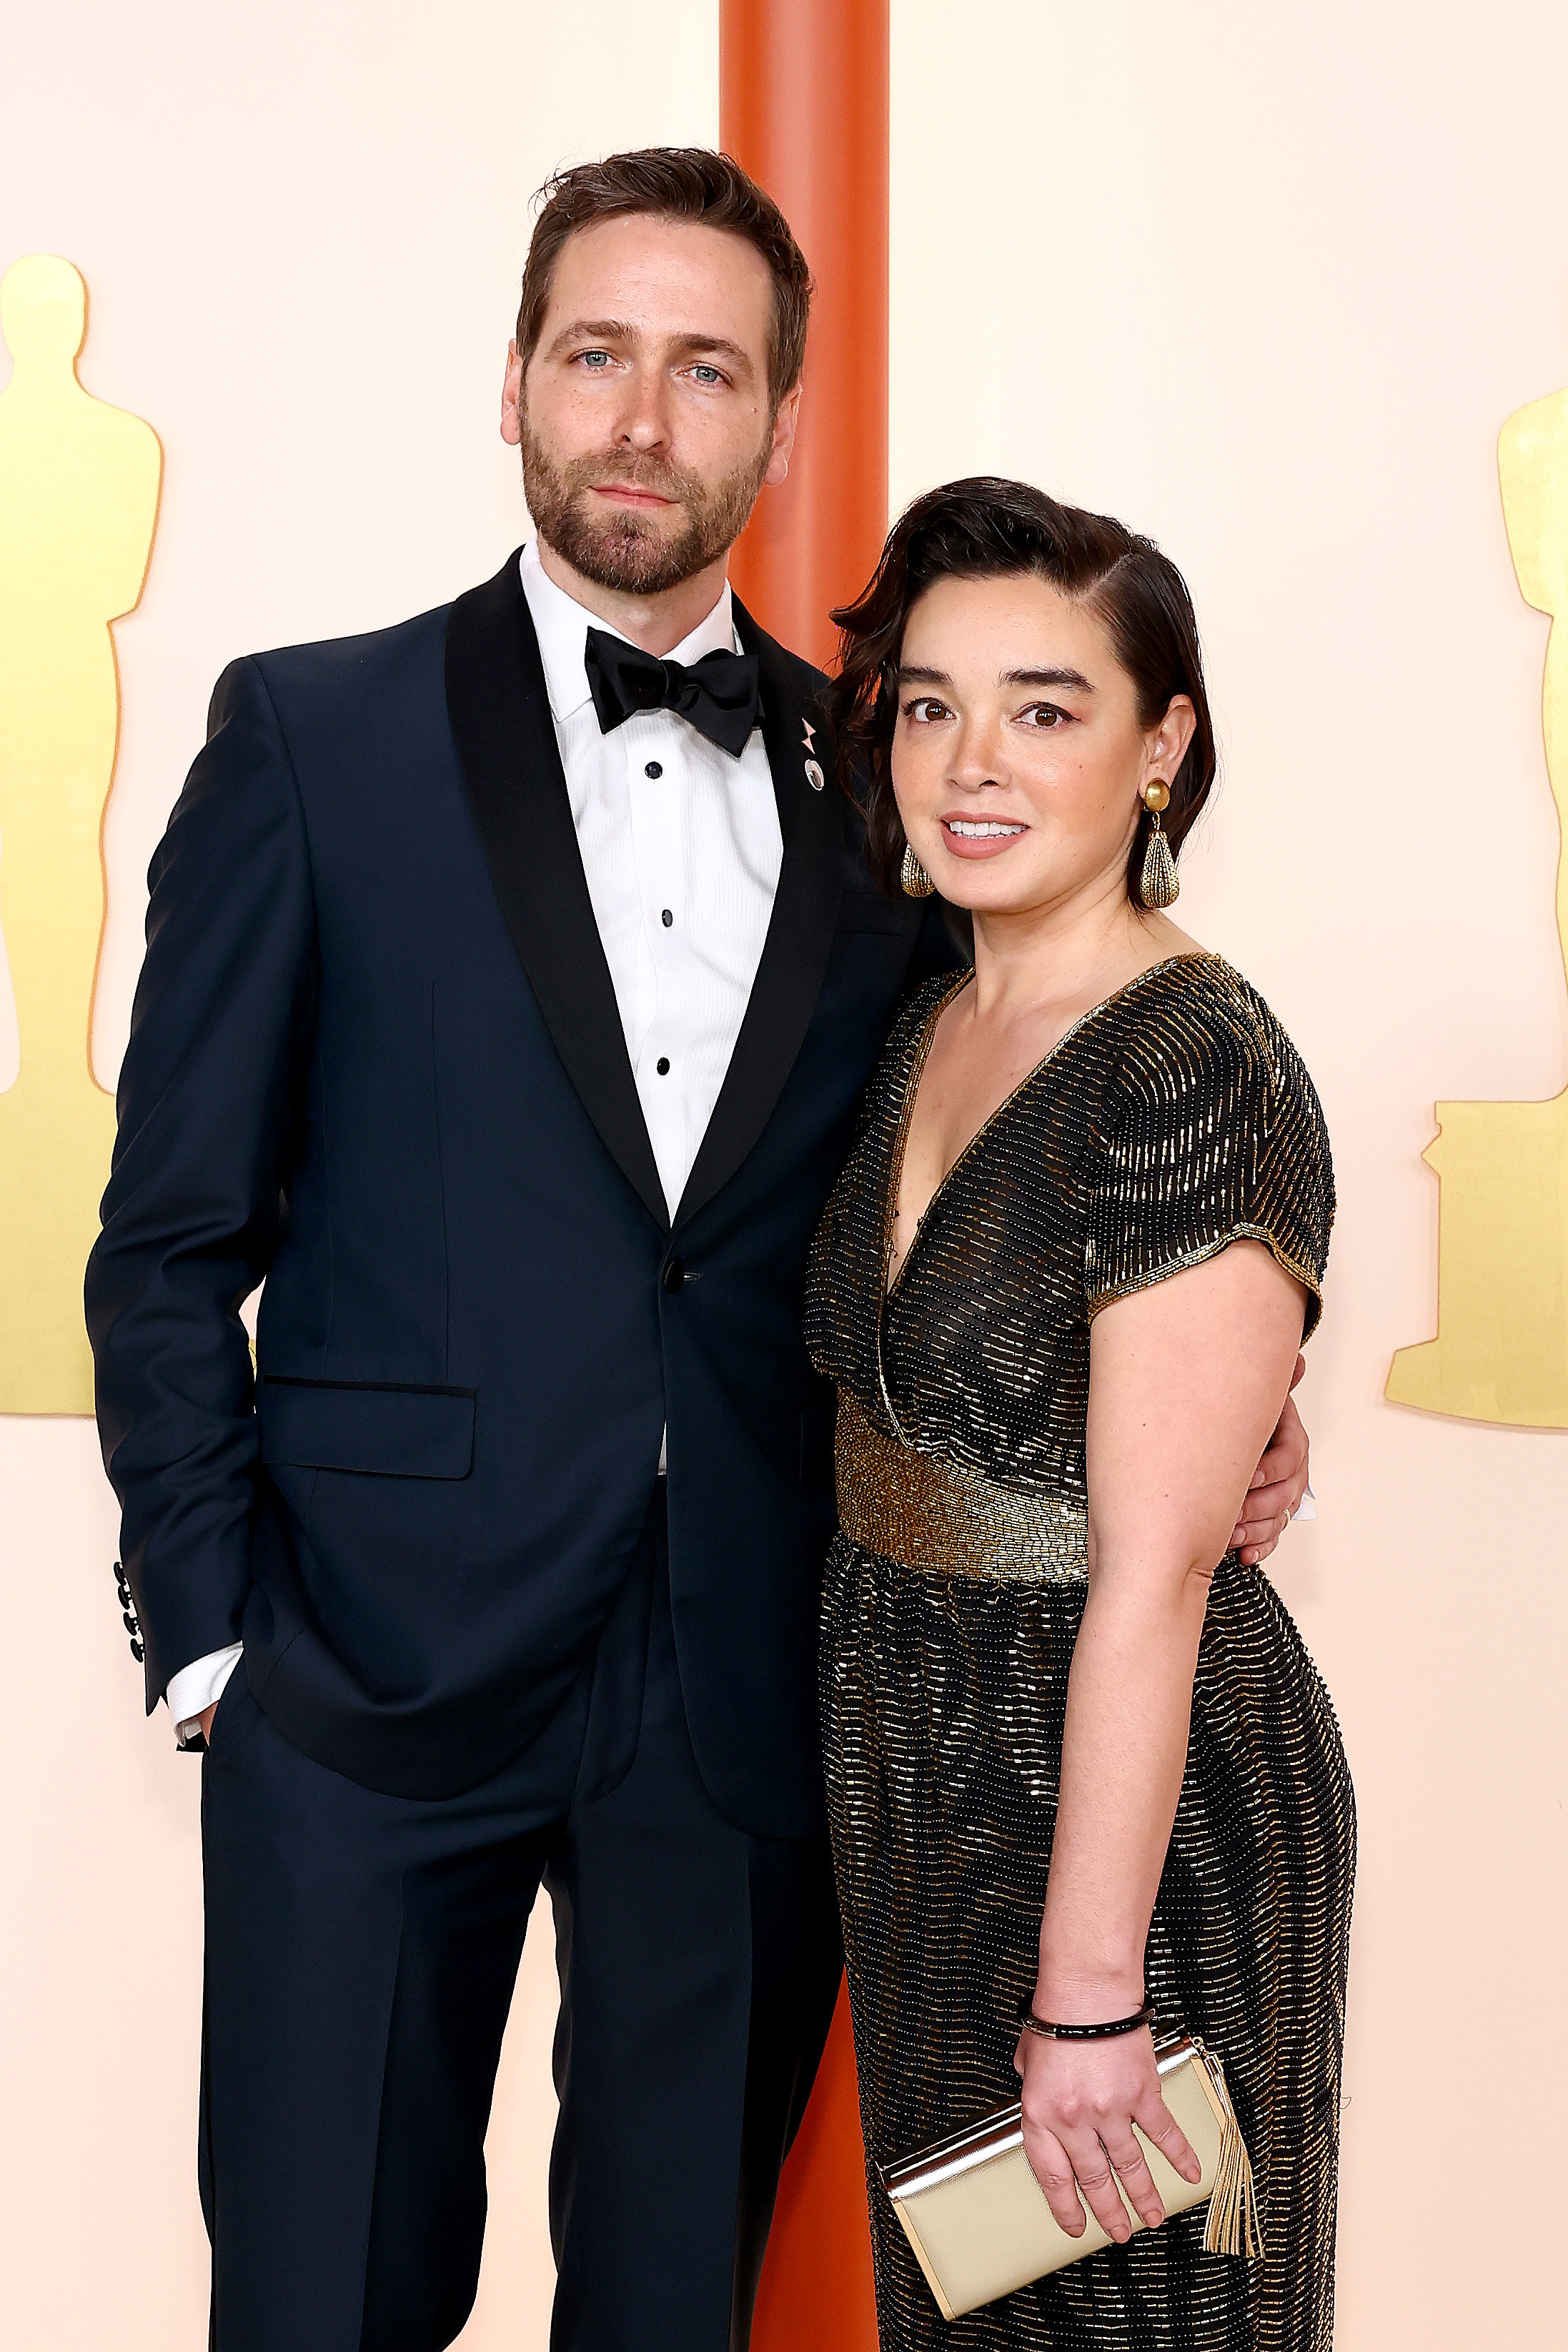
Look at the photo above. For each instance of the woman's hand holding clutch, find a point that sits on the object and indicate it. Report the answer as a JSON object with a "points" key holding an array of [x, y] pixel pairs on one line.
{"points": [[1081, 2100]]}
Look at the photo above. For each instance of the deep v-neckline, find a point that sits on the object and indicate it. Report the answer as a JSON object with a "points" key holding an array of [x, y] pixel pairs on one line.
{"points": [[891, 1280]]}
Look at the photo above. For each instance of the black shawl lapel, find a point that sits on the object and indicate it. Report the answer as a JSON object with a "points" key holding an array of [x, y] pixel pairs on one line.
{"points": [[800, 931], [501, 723]]}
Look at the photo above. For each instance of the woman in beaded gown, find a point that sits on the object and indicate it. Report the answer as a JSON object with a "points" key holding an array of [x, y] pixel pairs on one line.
{"points": [[1077, 1756]]}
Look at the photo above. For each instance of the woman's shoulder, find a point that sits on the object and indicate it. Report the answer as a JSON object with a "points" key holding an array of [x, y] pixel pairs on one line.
{"points": [[887, 1086], [1211, 1130], [915, 1012], [921, 1000], [1194, 1021]]}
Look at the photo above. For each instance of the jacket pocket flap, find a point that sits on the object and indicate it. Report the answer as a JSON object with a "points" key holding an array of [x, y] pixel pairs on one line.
{"points": [[387, 1431]]}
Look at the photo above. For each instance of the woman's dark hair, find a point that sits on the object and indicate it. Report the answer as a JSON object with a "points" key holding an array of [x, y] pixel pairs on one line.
{"points": [[987, 529]]}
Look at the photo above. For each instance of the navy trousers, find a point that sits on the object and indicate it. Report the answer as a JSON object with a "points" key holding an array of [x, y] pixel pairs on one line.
{"points": [[361, 1955]]}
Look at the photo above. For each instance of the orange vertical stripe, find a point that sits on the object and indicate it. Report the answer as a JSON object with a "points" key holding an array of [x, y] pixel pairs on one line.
{"points": [[803, 97], [815, 2293], [803, 106]]}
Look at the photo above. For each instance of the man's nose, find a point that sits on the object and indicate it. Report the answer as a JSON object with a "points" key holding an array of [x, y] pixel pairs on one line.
{"points": [[644, 422]]}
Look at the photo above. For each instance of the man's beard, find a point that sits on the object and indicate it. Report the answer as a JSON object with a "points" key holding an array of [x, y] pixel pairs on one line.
{"points": [[620, 549]]}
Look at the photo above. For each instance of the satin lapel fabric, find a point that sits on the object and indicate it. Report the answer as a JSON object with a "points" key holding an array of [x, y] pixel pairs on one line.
{"points": [[501, 724], [799, 935]]}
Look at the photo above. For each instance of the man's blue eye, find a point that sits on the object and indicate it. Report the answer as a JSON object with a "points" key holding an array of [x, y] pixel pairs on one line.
{"points": [[707, 374]]}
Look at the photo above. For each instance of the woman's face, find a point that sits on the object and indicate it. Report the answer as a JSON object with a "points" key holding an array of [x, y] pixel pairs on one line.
{"points": [[1018, 759]]}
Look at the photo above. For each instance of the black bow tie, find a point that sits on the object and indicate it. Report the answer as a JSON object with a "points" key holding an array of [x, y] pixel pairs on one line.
{"points": [[718, 695]]}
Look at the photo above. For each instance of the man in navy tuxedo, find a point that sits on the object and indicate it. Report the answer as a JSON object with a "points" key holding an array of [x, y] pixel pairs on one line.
{"points": [[511, 979]]}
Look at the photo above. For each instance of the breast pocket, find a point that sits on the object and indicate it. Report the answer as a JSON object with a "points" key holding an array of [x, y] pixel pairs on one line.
{"points": [[863, 914], [380, 1428]]}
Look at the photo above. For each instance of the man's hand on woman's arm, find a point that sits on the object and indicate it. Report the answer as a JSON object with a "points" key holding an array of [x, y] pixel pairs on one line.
{"points": [[1279, 1483]]}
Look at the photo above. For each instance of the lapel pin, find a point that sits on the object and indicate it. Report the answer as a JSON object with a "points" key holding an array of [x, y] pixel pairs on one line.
{"points": [[814, 775]]}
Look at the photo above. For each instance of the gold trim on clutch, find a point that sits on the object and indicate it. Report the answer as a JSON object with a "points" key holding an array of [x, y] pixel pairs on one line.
{"points": [[942, 1517]]}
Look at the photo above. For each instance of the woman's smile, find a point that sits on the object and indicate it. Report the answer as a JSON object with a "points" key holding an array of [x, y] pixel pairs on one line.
{"points": [[975, 837]]}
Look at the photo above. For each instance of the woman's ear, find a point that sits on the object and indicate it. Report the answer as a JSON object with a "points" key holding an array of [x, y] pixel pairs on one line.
{"points": [[1168, 743]]}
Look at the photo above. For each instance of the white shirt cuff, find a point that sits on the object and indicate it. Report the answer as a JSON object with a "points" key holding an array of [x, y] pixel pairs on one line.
{"points": [[1307, 1508], [195, 1687]]}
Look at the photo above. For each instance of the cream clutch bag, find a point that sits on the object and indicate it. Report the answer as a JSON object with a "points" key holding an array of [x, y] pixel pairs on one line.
{"points": [[978, 2218]]}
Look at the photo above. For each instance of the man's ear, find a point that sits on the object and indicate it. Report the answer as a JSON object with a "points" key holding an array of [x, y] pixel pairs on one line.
{"points": [[512, 397], [785, 425]]}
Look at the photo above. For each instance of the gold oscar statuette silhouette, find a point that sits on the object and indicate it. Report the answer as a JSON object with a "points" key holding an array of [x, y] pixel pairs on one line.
{"points": [[1501, 1350], [78, 503]]}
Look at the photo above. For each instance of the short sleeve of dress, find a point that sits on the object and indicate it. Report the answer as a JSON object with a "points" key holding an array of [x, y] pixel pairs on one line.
{"points": [[1213, 1134]]}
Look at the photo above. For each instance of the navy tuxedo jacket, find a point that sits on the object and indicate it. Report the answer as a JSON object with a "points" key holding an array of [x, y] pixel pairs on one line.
{"points": [[376, 1060]]}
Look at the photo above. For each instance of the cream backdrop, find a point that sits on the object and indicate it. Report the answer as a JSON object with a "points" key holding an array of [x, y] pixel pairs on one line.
{"points": [[1265, 283]]}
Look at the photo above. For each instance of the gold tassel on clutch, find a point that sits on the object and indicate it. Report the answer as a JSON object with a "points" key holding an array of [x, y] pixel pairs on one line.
{"points": [[1232, 2224]]}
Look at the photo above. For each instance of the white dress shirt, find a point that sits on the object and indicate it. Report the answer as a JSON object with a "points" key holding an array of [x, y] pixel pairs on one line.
{"points": [[681, 848]]}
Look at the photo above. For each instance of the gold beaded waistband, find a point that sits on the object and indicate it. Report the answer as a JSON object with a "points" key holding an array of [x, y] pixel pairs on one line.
{"points": [[938, 1516]]}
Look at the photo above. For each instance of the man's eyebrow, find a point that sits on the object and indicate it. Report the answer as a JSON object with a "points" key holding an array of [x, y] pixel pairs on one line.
{"points": [[720, 345], [1068, 677], [597, 331]]}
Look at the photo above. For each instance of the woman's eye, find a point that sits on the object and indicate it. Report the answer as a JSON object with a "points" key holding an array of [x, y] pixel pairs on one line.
{"points": [[925, 709], [1043, 714]]}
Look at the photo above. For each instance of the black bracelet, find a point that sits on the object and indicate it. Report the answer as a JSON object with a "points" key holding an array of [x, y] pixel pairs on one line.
{"points": [[1049, 2032]]}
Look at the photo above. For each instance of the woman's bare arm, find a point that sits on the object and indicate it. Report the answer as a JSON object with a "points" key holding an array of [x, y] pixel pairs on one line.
{"points": [[1186, 1381]]}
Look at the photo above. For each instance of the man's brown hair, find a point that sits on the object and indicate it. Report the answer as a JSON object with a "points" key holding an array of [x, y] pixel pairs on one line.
{"points": [[677, 183]]}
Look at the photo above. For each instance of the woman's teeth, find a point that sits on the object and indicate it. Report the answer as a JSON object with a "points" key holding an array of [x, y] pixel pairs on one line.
{"points": [[980, 832]]}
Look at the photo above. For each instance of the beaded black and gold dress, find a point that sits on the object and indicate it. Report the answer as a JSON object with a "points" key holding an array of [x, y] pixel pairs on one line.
{"points": [[1174, 1118]]}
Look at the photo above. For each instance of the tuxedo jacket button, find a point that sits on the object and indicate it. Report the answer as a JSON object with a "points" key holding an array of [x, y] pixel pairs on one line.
{"points": [[674, 1275]]}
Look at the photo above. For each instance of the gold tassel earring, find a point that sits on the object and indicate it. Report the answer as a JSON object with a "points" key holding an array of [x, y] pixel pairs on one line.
{"points": [[1160, 885], [916, 882]]}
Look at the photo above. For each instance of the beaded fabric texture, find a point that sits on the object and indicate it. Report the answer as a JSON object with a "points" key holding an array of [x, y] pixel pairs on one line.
{"points": [[1171, 1120]]}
